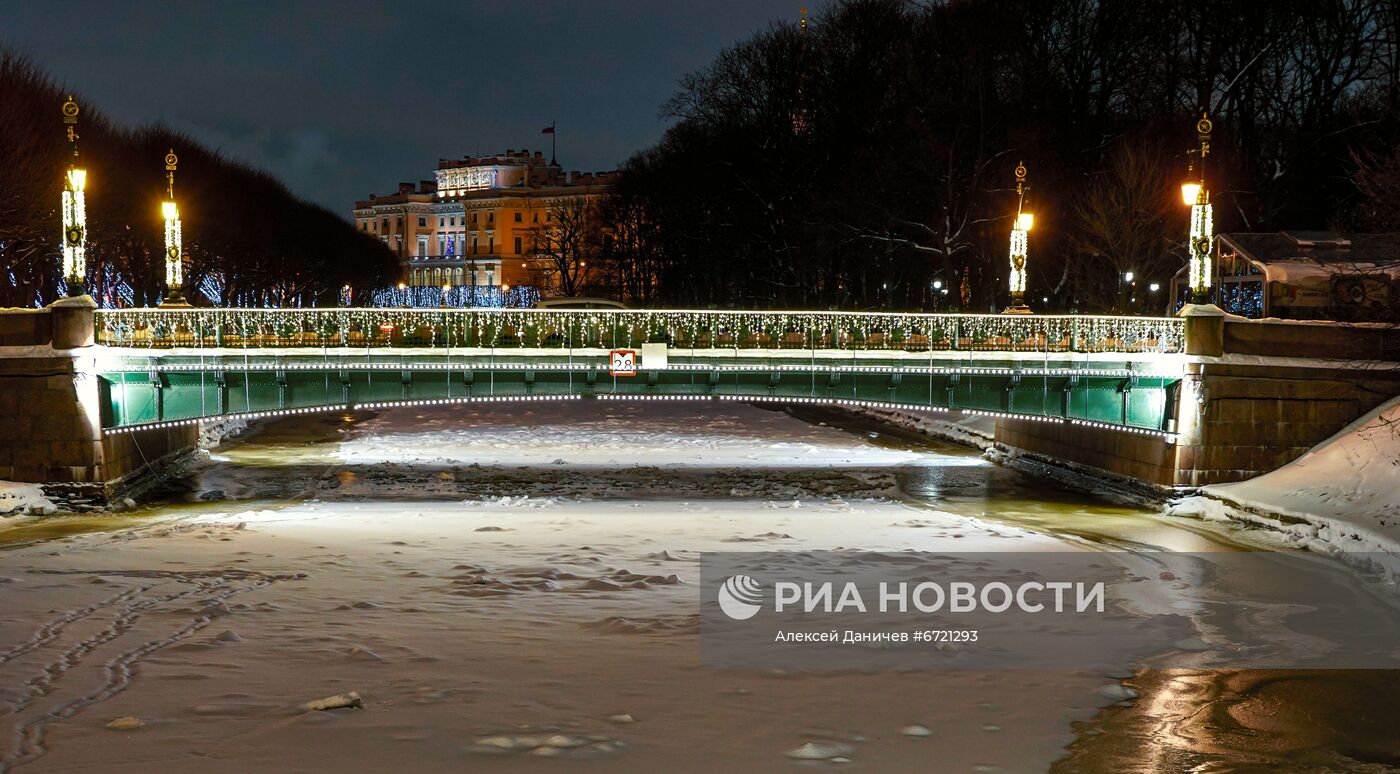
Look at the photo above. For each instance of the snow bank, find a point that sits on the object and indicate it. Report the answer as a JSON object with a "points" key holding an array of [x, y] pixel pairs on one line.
{"points": [[1344, 495], [17, 498]]}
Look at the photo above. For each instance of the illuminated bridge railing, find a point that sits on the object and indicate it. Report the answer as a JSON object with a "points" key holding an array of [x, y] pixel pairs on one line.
{"points": [[609, 329]]}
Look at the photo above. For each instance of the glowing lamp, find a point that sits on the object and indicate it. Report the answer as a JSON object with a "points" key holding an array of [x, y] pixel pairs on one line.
{"points": [[74, 209], [1020, 233], [1190, 193], [169, 210]]}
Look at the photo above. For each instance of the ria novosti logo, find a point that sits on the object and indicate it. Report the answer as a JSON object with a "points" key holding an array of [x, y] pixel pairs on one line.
{"points": [[740, 597]]}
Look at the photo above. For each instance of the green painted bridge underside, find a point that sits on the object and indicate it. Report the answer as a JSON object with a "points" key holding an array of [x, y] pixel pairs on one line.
{"points": [[133, 397]]}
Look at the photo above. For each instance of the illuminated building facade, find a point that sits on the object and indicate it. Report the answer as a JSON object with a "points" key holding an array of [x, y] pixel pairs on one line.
{"points": [[472, 226]]}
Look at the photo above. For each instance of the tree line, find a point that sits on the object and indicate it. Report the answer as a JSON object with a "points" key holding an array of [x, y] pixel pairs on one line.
{"points": [[250, 242], [866, 160]]}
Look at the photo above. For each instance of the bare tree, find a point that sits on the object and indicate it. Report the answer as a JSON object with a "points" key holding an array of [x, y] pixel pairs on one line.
{"points": [[570, 241], [631, 249], [1377, 179], [240, 224], [1123, 225]]}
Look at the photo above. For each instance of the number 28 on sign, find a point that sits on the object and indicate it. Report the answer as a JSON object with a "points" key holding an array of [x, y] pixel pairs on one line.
{"points": [[622, 362]]}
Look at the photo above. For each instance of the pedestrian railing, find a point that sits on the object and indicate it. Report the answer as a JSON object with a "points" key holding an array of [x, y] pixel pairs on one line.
{"points": [[159, 328]]}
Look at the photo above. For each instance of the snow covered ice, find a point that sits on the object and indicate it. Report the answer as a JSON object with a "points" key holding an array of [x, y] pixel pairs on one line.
{"points": [[484, 587]]}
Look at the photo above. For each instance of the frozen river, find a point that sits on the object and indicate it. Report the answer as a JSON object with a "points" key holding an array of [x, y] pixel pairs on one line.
{"points": [[504, 588]]}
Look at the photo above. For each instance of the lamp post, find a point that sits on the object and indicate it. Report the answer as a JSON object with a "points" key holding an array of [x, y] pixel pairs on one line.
{"points": [[1195, 195], [74, 208], [1020, 233], [174, 264]]}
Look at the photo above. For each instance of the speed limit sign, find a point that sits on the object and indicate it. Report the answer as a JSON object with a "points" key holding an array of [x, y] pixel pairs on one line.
{"points": [[622, 362]]}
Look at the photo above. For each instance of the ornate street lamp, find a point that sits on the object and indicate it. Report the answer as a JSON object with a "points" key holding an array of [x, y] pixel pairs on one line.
{"points": [[1195, 195], [74, 208], [1020, 238], [174, 257]]}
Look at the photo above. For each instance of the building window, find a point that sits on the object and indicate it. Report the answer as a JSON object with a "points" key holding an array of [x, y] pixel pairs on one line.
{"points": [[440, 222], [400, 218], [452, 221], [422, 247], [473, 244], [490, 245], [546, 217], [534, 217], [473, 217], [519, 217], [517, 244], [386, 224], [422, 222], [491, 216]]}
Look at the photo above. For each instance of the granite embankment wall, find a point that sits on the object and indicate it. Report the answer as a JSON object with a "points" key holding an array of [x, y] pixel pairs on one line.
{"points": [[1256, 395], [51, 410]]}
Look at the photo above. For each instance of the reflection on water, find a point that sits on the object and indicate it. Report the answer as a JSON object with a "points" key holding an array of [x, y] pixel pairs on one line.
{"points": [[957, 479], [23, 530], [1249, 721]]}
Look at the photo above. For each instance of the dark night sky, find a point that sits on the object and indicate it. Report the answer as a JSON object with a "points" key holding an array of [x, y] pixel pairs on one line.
{"points": [[339, 99]]}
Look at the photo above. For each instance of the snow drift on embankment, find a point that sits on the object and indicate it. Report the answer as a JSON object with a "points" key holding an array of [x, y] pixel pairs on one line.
{"points": [[1344, 494], [19, 498]]}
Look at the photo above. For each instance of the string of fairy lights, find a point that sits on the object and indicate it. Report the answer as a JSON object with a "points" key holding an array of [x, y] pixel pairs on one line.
{"points": [[164, 327]]}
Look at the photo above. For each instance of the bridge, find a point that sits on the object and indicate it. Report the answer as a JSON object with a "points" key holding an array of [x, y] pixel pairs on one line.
{"points": [[165, 367], [94, 400]]}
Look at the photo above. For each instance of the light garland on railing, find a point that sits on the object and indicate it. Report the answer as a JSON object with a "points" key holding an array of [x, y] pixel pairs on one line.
{"points": [[505, 328], [600, 363]]}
